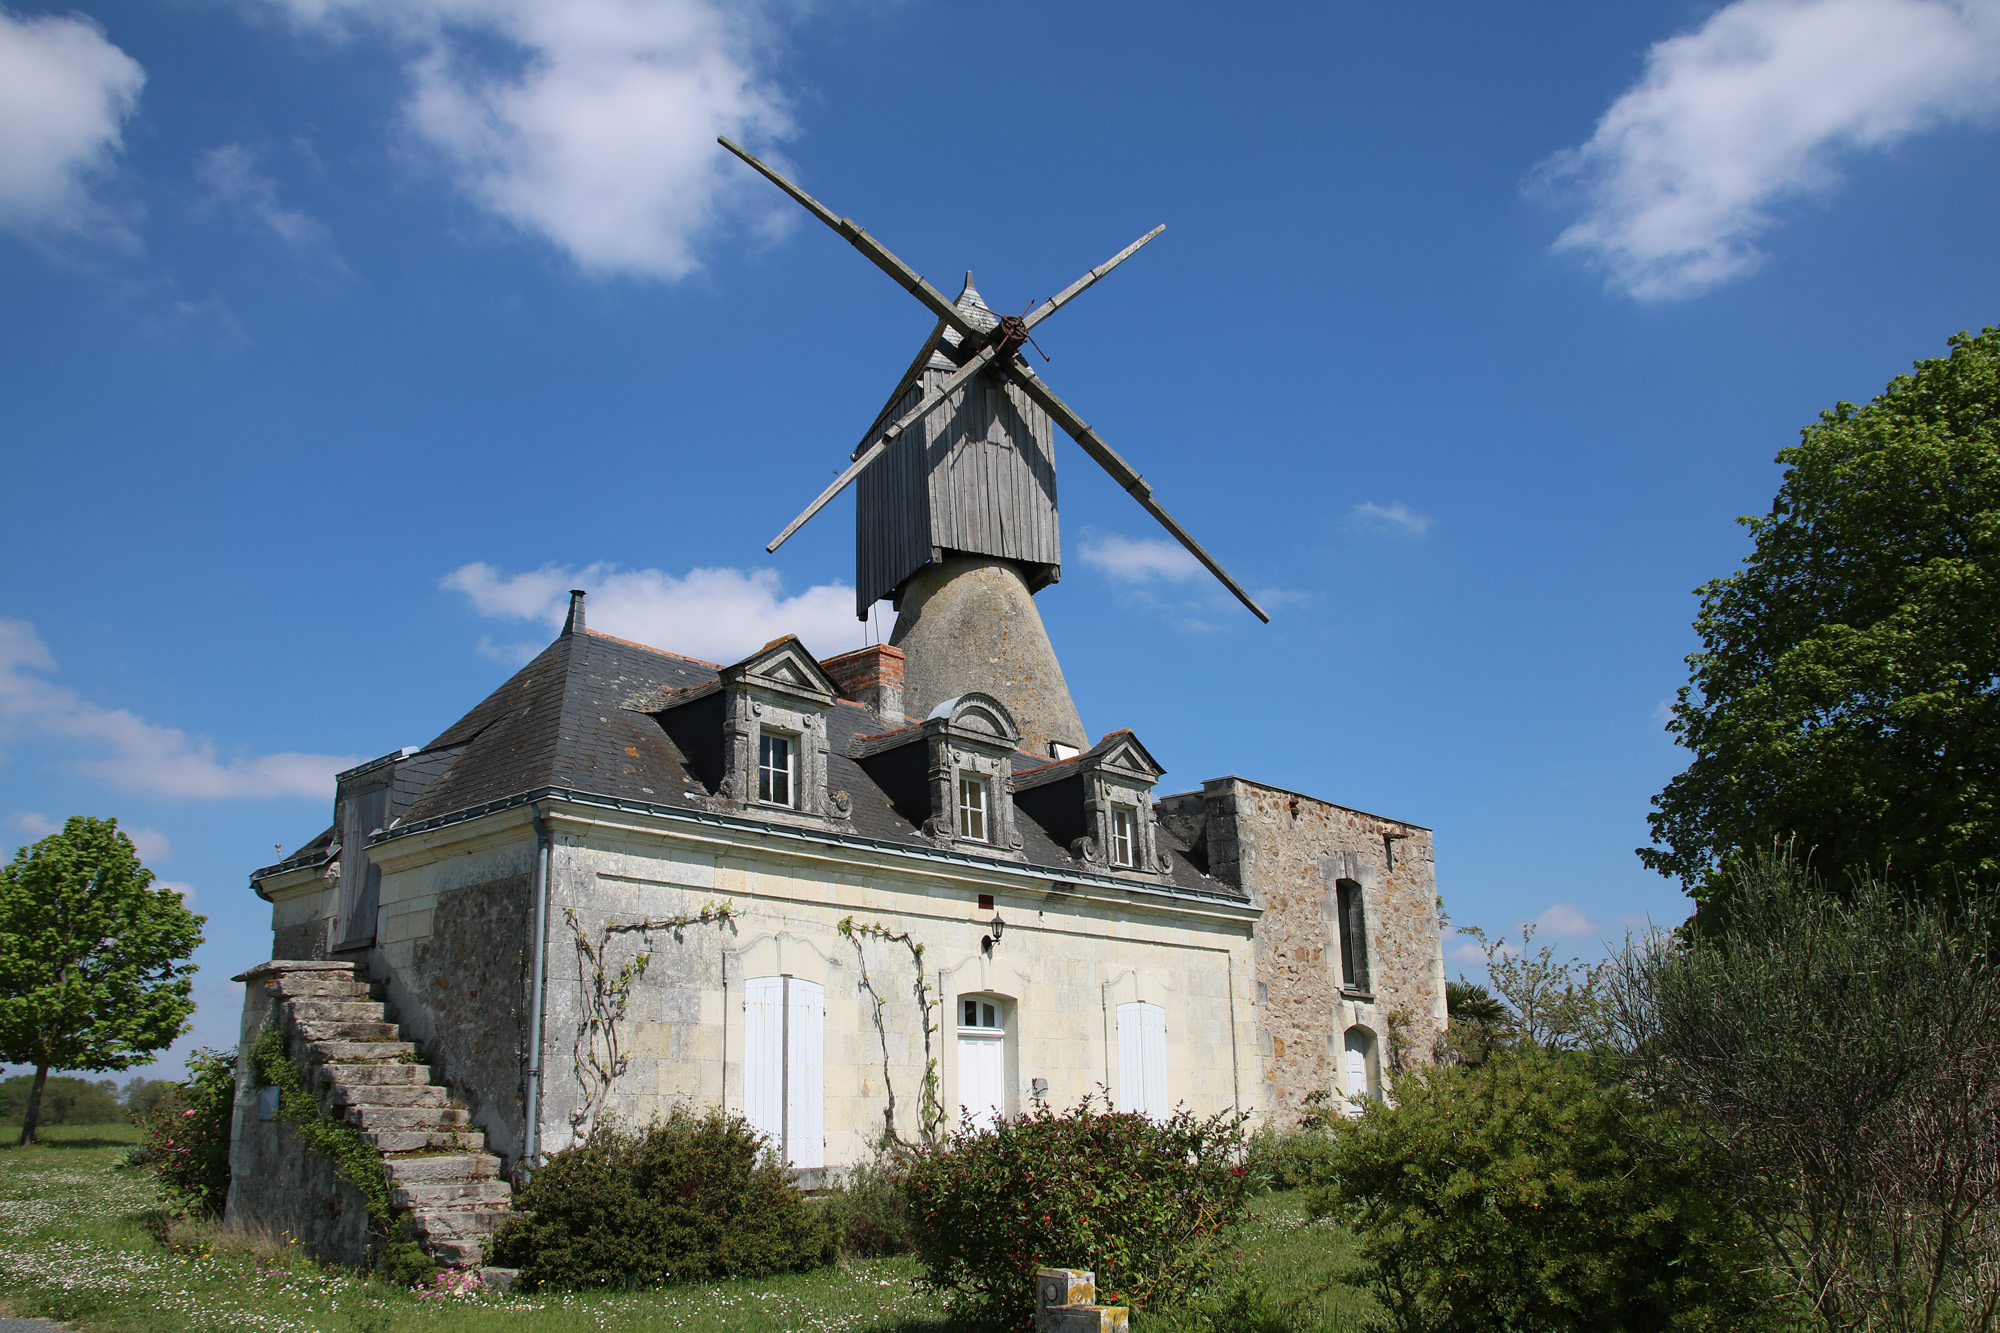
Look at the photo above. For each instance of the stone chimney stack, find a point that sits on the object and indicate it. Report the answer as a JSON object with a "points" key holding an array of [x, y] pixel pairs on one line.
{"points": [[574, 625], [873, 678]]}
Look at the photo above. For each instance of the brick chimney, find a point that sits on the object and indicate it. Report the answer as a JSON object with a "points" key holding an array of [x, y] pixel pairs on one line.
{"points": [[873, 678]]}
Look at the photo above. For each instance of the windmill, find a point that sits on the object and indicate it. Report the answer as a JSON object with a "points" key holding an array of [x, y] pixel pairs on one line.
{"points": [[956, 499]]}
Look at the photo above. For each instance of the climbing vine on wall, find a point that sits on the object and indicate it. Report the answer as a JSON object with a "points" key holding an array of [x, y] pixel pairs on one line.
{"points": [[354, 1159], [930, 1101], [600, 1051]]}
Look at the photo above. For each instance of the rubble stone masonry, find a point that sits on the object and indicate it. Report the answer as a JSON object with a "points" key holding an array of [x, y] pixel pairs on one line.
{"points": [[1289, 853]]}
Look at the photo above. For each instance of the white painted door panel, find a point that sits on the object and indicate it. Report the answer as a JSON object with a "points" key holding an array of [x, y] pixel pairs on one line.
{"points": [[805, 1112]]}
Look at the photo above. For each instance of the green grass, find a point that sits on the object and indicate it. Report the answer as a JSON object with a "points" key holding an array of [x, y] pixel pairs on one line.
{"points": [[82, 1241]]}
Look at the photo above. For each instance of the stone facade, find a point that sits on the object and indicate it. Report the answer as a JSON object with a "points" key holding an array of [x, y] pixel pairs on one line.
{"points": [[1291, 854]]}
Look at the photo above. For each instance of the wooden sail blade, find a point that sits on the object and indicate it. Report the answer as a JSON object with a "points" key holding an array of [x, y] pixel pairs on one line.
{"points": [[906, 277], [1123, 473], [1088, 280], [864, 457]]}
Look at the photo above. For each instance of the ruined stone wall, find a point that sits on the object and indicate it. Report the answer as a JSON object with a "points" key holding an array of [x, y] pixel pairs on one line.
{"points": [[1288, 852]]}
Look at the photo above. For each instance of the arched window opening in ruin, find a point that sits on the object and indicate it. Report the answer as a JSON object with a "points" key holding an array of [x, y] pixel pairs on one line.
{"points": [[1363, 1071], [1353, 937]]}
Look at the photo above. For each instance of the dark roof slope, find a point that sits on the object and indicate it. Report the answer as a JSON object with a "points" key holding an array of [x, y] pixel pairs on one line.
{"points": [[582, 716]]}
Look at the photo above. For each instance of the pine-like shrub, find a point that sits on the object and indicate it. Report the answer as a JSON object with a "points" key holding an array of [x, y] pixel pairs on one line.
{"points": [[1144, 1204], [1526, 1195], [187, 1135], [684, 1199]]}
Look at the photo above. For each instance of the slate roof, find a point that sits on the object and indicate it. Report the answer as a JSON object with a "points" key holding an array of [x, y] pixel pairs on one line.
{"points": [[580, 717]]}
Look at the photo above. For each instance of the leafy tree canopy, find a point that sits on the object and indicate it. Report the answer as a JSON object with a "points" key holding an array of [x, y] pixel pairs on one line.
{"points": [[93, 970], [1846, 697]]}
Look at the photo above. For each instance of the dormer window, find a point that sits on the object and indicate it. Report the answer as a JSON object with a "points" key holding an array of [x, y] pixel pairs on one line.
{"points": [[1124, 829], [775, 772], [972, 807]]}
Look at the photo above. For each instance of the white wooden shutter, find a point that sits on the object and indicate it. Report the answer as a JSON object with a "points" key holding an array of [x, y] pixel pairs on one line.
{"points": [[1142, 1059], [1357, 1066], [1153, 1044], [764, 1058], [805, 1109]]}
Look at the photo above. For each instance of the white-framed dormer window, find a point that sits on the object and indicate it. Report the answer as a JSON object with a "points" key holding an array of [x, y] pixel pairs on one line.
{"points": [[972, 807], [1124, 835], [776, 769]]}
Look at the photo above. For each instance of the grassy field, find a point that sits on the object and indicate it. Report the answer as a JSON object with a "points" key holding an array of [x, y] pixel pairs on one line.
{"points": [[80, 1241]]}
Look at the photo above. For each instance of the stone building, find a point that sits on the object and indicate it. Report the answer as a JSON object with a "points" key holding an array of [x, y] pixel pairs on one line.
{"points": [[845, 898]]}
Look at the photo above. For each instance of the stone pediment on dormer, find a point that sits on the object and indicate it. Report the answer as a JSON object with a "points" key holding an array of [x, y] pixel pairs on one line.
{"points": [[783, 667], [1121, 753], [976, 719]]}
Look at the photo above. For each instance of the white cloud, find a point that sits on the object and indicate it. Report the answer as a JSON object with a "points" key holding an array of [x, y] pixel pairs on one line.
{"points": [[186, 891], [133, 753], [235, 185], [721, 615], [1565, 919], [64, 95], [1136, 560], [1395, 517], [589, 122], [1754, 108]]}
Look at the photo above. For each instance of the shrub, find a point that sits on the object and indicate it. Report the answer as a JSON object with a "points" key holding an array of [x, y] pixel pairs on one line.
{"points": [[187, 1135], [685, 1199], [65, 1101], [1142, 1203], [1525, 1195], [141, 1097], [1289, 1159], [869, 1211]]}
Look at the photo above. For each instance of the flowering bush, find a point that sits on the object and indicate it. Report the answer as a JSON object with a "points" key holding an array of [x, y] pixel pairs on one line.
{"points": [[452, 1284], [187, 1135], [1142, 1203]]}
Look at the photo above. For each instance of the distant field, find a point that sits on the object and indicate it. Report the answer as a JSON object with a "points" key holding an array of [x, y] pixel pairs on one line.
{"points": [[80, 1242]]}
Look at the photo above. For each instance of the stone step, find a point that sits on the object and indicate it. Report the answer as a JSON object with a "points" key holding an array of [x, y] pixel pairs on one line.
{"points": [[391, 1094], [323, 1010], [367, 1052], [322, 1030], [432, 1196], [458, 1253], [321, 983], [417, 1140], [370, 1116], [440, 1168], [392, 1075], [459, 1224]]}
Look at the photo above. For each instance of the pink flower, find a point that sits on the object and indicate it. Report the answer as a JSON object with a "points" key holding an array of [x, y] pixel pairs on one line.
{"points": [[186, 1113]]}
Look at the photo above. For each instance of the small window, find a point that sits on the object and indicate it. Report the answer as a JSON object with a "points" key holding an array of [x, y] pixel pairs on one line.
{"points": [[1124, 820], [980, 1014], [774, 769], [1353, 936], [971, 807]]}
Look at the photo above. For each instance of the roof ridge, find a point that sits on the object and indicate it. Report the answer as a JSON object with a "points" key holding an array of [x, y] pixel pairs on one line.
{"points": [[634, 643]]}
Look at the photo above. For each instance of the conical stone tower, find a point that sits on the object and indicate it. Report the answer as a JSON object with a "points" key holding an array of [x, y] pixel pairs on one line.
{"points": [[956, 523]]}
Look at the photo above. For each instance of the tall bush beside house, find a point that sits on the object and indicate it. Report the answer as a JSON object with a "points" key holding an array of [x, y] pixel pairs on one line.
{"points": [[1144, 1204], [1843, 1050], [685, 1199], [1524, 1195], [187, 1134]]}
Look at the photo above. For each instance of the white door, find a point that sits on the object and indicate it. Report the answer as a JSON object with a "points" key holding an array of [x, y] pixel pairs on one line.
{"points": [[805, 1081], [1357, 1066], [1142, 1059], [764, 1058]]}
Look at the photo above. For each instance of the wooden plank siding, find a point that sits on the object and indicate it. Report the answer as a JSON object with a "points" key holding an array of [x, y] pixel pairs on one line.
{"points": [[977, 476]]}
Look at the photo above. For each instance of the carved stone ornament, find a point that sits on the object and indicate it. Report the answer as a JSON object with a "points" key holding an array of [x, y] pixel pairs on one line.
{"points": [[1017, 841], [1085, 850], [726, 789], [938, 828], [1166, 863], [756, 708], [840, 805]]}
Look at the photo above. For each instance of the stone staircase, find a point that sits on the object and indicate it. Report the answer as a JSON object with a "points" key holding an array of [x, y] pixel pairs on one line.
{"points": [[358, 1064]]}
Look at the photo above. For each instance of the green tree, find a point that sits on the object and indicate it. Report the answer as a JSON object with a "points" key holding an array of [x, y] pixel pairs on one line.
{"points": [[93, 959], [1847, 691]]}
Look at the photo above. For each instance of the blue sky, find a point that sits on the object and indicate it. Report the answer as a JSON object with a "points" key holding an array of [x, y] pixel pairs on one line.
{"points": [[341, 336]]}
